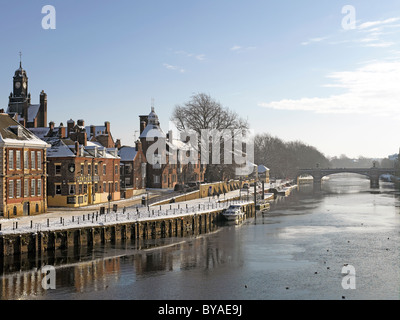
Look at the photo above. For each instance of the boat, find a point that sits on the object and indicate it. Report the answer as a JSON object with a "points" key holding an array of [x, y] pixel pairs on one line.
{"points": [[233, 213]]}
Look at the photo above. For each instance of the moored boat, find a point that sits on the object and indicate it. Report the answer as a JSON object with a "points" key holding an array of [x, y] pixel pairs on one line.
{"points": [[233, 213]]}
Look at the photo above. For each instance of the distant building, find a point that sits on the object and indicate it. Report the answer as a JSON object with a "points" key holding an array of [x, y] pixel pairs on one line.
{"points": [[20, 106], [133, 170], [24, 171], [80, 172], [166, 169]]}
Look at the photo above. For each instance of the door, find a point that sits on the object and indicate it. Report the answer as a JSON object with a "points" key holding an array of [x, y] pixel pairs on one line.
{"points": [[26, 208]]}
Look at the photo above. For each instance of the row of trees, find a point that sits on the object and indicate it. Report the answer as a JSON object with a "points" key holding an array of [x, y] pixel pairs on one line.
{"points": [[282, 158]]}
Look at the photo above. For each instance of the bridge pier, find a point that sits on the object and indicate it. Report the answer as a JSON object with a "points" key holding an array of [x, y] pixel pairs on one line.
{"points": [[374, 182]]}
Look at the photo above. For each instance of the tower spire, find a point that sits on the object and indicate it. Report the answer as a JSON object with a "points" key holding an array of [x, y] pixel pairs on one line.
{"points": [[20, 60]]}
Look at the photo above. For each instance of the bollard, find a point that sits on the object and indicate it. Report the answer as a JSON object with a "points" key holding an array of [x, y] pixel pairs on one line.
{"points": [[61, 219], [78, 220], [0, 226], [31, 224], [83, 218], [48, 222]]}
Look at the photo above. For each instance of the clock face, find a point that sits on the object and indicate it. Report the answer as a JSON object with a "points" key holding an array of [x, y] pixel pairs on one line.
{"points": [[24, 85], [17, 85]]}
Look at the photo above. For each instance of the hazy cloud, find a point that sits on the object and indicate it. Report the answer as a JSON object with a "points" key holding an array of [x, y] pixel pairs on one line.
{"points": [[371, 89]]}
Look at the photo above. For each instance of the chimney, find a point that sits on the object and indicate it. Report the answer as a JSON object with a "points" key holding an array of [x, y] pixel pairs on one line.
{"points": [[81, 123], [143, 122], [138, 145], [51, 125], [70, 126], [92, 131], [77, 148], [118, 144], [62, 131], [107, 125]]}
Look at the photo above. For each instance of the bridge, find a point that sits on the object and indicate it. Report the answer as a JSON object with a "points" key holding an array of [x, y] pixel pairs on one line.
{"points": [[373, 173]]}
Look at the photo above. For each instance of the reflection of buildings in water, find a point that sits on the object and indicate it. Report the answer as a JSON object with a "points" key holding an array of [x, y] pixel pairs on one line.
{"points": [[94, 274], [20, 285]]}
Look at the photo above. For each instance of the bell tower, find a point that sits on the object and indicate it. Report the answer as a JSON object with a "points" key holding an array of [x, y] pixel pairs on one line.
{"points": [[20, 82]]}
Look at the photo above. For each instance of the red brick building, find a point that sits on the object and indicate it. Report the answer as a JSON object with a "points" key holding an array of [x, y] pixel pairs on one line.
{"points": [[23, 170], [80, 172], [133, 170], [165, 168]]}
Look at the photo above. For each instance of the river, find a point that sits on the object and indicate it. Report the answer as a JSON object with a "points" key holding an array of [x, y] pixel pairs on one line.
{"points": [[296, 251]]}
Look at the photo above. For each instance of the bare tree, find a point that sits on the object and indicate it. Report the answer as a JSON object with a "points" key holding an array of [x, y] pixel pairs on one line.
{"points": [[203, 112]]}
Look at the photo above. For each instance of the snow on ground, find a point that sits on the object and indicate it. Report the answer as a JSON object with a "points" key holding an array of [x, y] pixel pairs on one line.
{"points": [[68, 219]]}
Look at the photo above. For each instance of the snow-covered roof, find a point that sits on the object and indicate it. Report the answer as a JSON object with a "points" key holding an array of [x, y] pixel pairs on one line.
{"points": [[152, 131], [13, 133], [127, 153], [32, 112], [262, 169], [40, 132], [58, 149]]}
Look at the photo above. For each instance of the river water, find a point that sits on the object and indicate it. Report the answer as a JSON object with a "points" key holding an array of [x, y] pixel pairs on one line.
{"points": [[296, 251]]}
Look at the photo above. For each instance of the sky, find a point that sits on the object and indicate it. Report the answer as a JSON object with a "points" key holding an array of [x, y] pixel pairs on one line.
{"points": [[317, 71]]}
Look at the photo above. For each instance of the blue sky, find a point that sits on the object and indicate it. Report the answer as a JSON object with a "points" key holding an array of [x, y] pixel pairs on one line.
{"points": [[289, 67]]}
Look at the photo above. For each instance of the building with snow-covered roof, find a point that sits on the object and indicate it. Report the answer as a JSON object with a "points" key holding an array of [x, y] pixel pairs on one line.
{"points": [[165, 167], [23, 176], [81, 174], [133, 170]]}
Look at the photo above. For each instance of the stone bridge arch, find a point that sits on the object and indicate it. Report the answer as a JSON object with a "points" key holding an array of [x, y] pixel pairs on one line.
{"points": [[372, 173]]}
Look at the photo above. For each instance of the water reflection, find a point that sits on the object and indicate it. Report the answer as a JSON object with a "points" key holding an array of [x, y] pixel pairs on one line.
{"points": [[293, 236]]}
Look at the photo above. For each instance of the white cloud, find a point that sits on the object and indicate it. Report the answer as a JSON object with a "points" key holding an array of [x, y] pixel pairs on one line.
{"points": [[371, 89], [313, 40], [174, 68], [370, 24], [242, 49], [235, 48]]}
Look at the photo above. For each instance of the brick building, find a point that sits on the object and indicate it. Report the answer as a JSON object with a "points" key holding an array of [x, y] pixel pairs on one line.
{"points": [[165, 168], [133, 170], [23, 170], [80, 172]]}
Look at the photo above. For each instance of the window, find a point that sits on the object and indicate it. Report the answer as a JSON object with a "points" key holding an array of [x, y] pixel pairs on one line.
{"points": [[82, 168], [33, 160], [11, 159], [33, 187], [116, 186], [58, 188], [18, 158], [104, 169], [96, 167], [104, 187], [71, 189], [39, 187], [80, 189], [165, 178], [116, 169], [156, 179], [89, 167], [39, 160], [26, 160], [18, 188], [85, 188], [11, 189], [57, 169], [26, 188], [96, 187]]}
